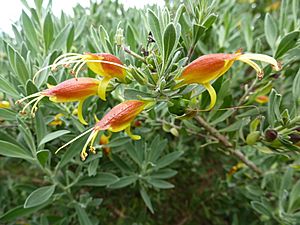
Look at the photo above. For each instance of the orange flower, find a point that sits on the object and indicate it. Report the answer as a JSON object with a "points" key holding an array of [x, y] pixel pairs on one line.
{"points": [[117, 119], [104, 64], [72, 90], [104, 140], [210, 67], [262, 99]]}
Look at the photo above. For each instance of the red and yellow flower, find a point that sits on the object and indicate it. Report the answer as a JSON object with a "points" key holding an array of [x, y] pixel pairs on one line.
{"points": [[105, 65], [117, 119], [209, 67], [72, 90]]}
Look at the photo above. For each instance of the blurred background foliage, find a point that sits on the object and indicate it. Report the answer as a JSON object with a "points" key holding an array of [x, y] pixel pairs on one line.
{"points": [[207, 180]]}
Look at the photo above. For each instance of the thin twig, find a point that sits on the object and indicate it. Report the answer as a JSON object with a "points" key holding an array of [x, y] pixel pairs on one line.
{"points": [[238, 154], [134, 54]]}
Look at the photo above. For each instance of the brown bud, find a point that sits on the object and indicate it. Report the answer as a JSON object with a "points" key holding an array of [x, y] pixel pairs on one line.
{"points": [[271, 135]]}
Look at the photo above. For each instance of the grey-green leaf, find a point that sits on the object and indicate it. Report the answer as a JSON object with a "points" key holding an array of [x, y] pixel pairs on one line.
{"points": [[39, 196], [287, 42], [271, 30], [53, 135], [100, 180], [11, 150]]}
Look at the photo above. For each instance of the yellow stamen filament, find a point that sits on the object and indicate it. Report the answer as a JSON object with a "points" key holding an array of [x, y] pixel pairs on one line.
{"points": [[34, 107], [92, 137], [263, 58], [27, 97], [259, 71], [74, 139], [213, 96]]}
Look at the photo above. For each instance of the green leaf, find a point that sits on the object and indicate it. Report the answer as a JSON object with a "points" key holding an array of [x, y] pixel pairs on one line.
{"points": [[163, 174], [7, 114], [169, 39], [286, 43], [39, 196], [82, 216], [48, 30], [92, 168], [20, 211], [43, 156], [209, 21], [123, 182], [100, 180], [273, 108], [168, 159], [70, 38], [155, 28], [7, 88], [260, 208], [72, 151], [21, 68], [161, 184], [53, 135], [118, 142], [156, 148], [40, 125], [271, 30], [294, 196], [11, 150], [29, 30], [146, 199], [60, 42], [295, 88]]}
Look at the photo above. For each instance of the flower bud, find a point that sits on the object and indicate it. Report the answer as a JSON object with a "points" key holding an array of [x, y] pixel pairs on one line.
{"points": [[271, 135], [294, 138], [252, 137]]}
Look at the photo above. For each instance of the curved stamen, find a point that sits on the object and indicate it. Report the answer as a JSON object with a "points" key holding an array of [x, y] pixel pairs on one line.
{"points": [[65, 56], [259, 71], [74, 139], [83, 153], [34, 107], [263, 58], [27, 97], [79, 68], [108, 62], [29, 103]]}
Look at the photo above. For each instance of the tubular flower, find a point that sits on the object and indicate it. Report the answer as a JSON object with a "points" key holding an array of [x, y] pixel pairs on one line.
{"points": [[4, 105], [117, 119], [56, 120], [210, 67], [262, 99], [104, 64], [71, 90]]}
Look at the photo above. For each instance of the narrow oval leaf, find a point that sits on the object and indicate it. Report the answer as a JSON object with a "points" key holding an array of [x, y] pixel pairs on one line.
{"points": [[286, 43], [53, 135], [82, 216], [161, 184], [270, 30], [146, 199], [39, 196], [11, 150], [100, 180], [123, 182], [7, 88]]}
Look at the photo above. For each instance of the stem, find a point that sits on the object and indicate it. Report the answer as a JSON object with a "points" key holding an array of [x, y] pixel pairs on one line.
{"points": [[134, 54], [221, 138]]}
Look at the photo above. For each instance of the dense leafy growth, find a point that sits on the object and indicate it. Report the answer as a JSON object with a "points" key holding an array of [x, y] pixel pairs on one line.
{"points": [[236, 164]]}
